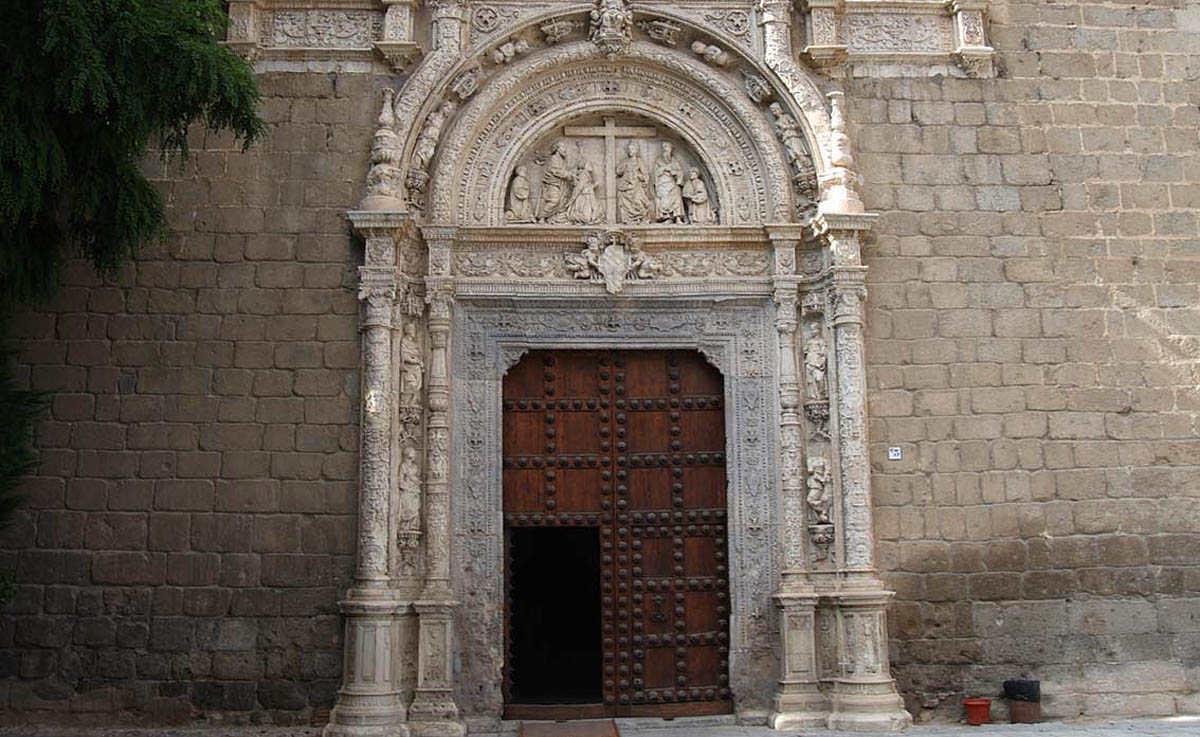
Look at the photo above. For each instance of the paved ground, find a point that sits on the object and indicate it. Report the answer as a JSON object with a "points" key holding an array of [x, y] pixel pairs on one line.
{"points": [[1181, 726]]}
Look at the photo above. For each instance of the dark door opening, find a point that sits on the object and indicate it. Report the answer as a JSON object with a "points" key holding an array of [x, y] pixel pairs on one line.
{"points": [[623, 451], [554, 616]]}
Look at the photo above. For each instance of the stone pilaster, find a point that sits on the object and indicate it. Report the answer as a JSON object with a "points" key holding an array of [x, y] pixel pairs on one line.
{"points": [[434, 712], [245, 27], [971, 49], [369, 703], [784, 241], [798, 701], [864, 695], [823, 45]]}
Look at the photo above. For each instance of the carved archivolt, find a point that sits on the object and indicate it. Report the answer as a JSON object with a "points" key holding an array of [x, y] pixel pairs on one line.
{"points": [[696, 93], [532, 99]]}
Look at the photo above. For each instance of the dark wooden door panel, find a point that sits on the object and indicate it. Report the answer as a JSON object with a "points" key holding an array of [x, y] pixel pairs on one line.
{"points": [[631, 443]]}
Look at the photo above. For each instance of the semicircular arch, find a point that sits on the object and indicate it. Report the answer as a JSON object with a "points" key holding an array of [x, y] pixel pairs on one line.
{"points": [[517, 106]]}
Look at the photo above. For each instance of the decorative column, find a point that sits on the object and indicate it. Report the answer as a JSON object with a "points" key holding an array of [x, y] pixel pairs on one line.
{"points": [[864, 695], [369, 703], [784, 240], [971, 48], [798, 700], [434, 712], [824, 46]]}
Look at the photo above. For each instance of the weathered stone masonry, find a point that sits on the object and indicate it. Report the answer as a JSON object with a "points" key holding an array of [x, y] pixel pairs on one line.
{"points": [[1029, 335]]}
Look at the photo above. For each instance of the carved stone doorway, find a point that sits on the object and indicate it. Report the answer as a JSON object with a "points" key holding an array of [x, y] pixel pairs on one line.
{"points": [[616, 460]]}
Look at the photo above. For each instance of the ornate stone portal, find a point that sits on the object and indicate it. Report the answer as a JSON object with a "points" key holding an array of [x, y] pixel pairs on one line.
{"points": [[620, 175]]}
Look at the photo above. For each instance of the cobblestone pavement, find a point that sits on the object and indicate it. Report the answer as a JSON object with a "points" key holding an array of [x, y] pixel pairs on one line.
{"points": [[1179, 726]]}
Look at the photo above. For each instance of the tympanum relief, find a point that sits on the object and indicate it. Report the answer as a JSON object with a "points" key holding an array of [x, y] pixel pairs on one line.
{"points": [[613, 171]]}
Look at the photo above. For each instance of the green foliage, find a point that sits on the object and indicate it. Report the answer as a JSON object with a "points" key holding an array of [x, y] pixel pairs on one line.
{"points": [[86, 87], [18, 412]]}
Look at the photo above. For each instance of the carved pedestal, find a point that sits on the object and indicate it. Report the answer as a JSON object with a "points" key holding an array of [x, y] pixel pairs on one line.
{"points": [[864, 695], [433, 712], [799, 701], [368, 702]]}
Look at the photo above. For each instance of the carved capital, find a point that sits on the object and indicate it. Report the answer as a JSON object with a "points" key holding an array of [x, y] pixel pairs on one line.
{"points": [[849, 292], [786, 300], [377, 290], [400, 55], [841, 234], [440, 299]]}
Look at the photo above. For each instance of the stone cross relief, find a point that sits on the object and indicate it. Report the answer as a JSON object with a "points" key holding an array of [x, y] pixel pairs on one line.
{"points": [[665, 191]]}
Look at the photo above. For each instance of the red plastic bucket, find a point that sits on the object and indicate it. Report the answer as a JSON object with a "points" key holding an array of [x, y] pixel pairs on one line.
{"points": [[978, 711]]}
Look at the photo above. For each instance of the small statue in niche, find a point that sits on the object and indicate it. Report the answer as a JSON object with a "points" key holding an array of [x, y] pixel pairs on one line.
{"points": [[520, 210], [427, 142], [410, 491], [584, 210], [791, 136], [668, 187], [820, 496], [700, 209], [633, 203], [815, 367], [557, 181], [412, 367]]}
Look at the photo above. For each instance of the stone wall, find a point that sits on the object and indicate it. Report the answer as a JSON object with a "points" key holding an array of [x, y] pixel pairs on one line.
{"points": [[192, 523], [1033, 351], [1034, 346]]}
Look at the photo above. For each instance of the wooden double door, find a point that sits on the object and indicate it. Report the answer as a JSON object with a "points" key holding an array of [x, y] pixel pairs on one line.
{"points": [[617, 589]]}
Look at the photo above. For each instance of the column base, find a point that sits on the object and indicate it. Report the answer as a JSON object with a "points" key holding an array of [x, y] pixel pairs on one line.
{"points": [[368, 704], [434, 714], [350, 719], [868, 707], [798, 706]]}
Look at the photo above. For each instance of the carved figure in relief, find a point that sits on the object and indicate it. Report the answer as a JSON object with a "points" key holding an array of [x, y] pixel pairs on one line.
{"points": [[583, 265], [816, 359], [410, 491], [633, 203], [520, 210], [412, 367], [427, 141], [668, 187], [584, 210], [791, 136], [757, 88], [700, 209], [557, 181], [820, 495]]}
